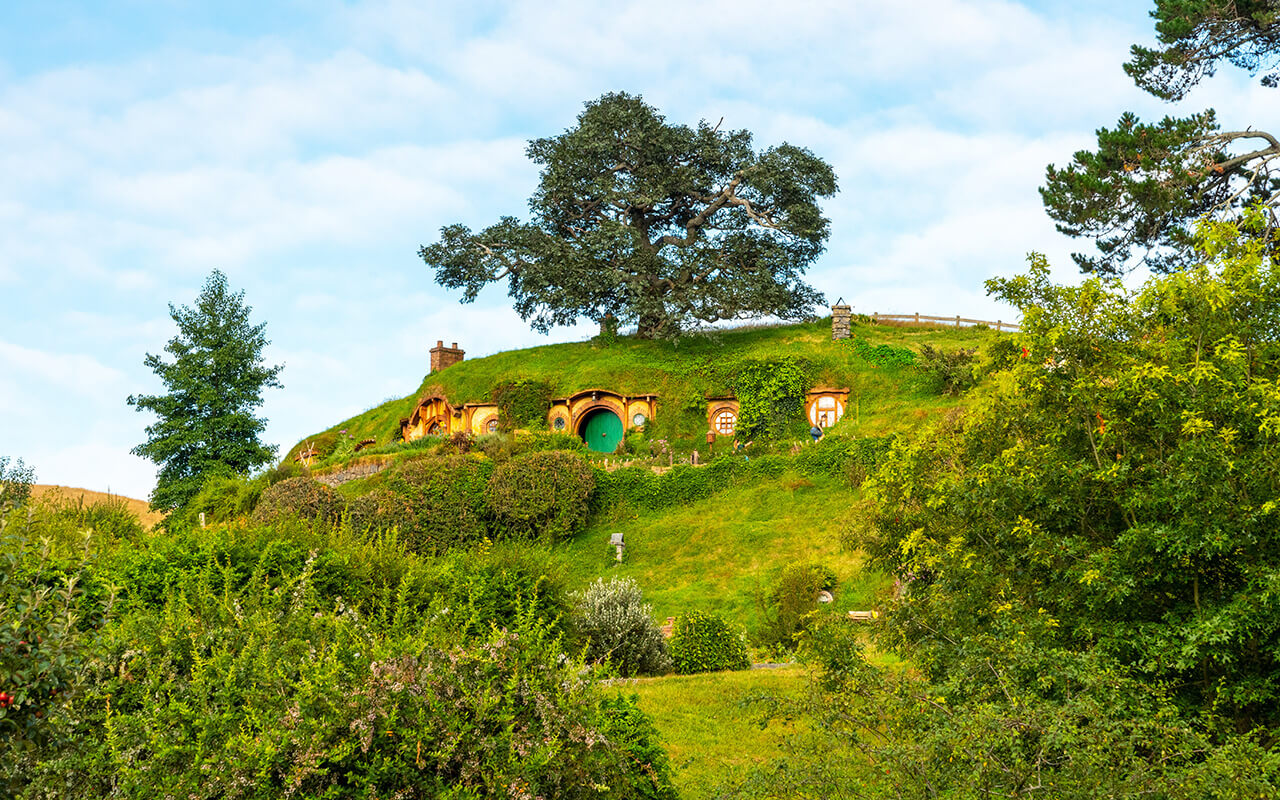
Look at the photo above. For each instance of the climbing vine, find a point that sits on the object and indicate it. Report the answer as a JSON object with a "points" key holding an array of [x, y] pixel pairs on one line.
{"points": [[522, 403], [770, 395]]}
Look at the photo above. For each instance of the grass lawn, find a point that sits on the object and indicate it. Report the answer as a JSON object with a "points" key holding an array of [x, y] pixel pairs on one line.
{"points": [[724, 553], [709, 734]]}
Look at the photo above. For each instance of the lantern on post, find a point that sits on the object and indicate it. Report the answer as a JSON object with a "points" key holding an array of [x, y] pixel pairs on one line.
{"points": [[615, 539]]}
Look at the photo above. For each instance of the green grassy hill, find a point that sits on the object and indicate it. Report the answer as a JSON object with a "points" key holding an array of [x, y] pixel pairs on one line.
{"points": [[884, 398]]}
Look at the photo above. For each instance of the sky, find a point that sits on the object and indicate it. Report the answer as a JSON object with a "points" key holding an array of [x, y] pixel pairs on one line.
{"points": [[308, 149]]}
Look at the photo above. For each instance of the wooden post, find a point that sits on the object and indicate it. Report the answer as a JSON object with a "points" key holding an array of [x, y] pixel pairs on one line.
{"points": [[957, 320], [997, 326], [917, 317]]}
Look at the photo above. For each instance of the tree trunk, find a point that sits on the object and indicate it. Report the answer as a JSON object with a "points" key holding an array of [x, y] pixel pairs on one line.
{"points": [[650, 326]]}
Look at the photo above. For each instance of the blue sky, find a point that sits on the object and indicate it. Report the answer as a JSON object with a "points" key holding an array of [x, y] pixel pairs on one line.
{"points": [[308, 149]]}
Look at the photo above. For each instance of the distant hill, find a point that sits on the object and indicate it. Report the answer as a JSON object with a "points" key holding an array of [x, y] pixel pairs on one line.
{"points": [[141, 508]]}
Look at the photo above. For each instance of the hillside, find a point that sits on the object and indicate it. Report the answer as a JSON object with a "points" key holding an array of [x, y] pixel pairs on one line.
{"points": [[68, 494], [883, 397]]}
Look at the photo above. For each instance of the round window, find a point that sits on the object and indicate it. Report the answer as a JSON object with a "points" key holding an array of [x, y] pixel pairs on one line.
{"points": [[558, 424], [638, 420], [725, 422], [491, 426]]}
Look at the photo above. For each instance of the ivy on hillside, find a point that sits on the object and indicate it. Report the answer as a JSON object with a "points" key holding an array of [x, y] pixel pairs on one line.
{"points": [[522, 403], [770, 395], [881, 355]]}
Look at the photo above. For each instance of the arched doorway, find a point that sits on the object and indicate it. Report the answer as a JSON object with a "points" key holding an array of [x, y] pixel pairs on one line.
{"points": [[601, 429]]}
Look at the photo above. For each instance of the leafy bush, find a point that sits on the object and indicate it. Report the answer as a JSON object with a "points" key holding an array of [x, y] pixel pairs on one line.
{"points": [[380, 509], [882, 355], [223, 498], [304, 498], [15, 483], [619, 629], [448, 498], [951, 372], [462, 442], [541, 495], [45, 646], [489, 585], [1003, 353], [522, 403], [792, 600], [706, 643]]}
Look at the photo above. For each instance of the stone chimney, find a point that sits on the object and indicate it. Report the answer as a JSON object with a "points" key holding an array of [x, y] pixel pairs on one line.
{"points": [[841, 317], [444, 357]]}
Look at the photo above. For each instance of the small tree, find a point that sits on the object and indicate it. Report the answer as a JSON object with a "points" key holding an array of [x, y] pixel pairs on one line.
{"points": [[651, 223], [15, 483], [206, 424]]}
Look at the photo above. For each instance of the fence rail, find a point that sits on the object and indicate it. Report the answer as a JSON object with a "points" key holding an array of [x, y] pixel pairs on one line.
{"points": [[958, 321]]}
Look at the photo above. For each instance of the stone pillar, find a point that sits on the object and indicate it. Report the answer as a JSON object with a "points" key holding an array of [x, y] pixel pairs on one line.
{"points": [[841, 318], [444, 357]]}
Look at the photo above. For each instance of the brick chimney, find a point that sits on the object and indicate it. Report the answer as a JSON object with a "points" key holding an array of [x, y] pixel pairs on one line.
{"points": [[841, 317], [444, 357]]}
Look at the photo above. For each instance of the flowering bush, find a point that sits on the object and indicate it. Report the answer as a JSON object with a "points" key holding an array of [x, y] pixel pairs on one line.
{"points": [[619, 629]]}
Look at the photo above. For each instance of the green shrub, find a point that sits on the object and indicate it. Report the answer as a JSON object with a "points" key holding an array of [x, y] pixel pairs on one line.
{"points": [[952, 372], [881, 355], [706, 643], [448, 498], [224, 498], [838, 456], [619, 629], [541, 495], [304, 498], [489, 585], [793, 599], [381, 509], [1003, 353]]}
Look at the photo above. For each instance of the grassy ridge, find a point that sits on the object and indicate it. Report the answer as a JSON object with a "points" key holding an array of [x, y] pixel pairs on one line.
{"points": [[682, 373]]}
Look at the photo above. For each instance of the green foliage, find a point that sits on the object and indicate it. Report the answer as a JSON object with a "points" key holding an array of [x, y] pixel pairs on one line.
{"points": [[224, 498], [1197, 34], [15, 483], [653, 224], [45, 644], [706, 643], [1116, 494], [541, 495], [638, 742], [1014, 719], [953, 372], [449, 499], [206, 424], [522, 403], [1147, 184], [841, 456], [793, 599], [304, 498], [770, 395], [380, 510], [618, 628], [1003, 353], [881, 355]]}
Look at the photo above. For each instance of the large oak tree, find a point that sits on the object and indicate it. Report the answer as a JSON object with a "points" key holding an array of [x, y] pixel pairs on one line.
{"points": [[1139, 192], [655, 224]]}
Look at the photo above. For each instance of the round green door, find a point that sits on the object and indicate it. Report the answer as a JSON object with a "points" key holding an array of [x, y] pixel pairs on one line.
{"points": [[602, 431]]}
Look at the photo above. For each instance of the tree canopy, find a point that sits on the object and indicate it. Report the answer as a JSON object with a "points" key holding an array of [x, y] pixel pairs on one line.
{"points": [[1139, 193], [1116, 495], [206, 424], [655, 224]]}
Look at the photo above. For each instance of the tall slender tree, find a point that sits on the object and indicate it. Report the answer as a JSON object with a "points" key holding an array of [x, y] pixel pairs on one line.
{"points": [[206, 423]]}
